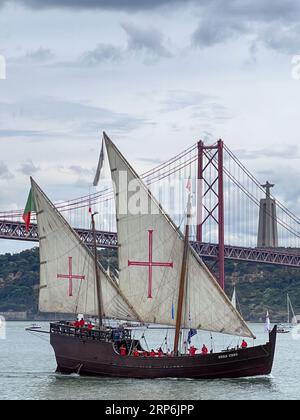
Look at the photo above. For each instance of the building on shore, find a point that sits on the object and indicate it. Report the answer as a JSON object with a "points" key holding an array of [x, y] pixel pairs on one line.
{"points": [[14, 316]]}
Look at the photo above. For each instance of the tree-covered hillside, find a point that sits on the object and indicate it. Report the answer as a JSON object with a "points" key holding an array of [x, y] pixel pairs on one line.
{"points": [[259, 287], [263, 287]]}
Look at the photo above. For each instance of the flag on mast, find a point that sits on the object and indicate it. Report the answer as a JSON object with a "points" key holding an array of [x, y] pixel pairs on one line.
{"points": [[100, 166], [29, 208], [173, 311], [191, 334], [189, 185]]}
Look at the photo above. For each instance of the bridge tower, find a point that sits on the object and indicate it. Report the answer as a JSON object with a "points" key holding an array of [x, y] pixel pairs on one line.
{"points": [[267, 227], [210, 181]]}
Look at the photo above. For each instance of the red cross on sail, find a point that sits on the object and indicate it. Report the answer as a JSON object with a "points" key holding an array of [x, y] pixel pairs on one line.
{"points": [[150, 264], [70, 277]]}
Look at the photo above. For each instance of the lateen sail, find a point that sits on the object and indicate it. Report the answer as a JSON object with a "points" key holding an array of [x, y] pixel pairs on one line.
{"points": [[290, 306], [150, 257], [67, 269]]}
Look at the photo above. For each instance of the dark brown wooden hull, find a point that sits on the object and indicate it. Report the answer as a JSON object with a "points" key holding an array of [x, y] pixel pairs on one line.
{"points": [[96, 358]]}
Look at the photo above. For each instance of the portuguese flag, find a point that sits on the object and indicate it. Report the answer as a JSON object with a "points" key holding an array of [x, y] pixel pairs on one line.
{"points": [[30, 207]]}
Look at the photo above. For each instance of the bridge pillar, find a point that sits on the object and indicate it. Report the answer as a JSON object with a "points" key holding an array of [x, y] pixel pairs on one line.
{"points": [[210, 160], [267, 227]]}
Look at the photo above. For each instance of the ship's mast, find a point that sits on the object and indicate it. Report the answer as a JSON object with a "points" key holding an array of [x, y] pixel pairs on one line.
{"points": [[182, 278], [98, 281]]}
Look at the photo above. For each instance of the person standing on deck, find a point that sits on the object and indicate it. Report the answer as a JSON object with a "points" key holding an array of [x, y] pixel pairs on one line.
{"points": [[244, 344], [204, 350], [123, 351], [192, 351]]}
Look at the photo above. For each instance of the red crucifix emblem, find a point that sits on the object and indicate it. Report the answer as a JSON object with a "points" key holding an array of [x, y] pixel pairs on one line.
{"points": [[70, 277], [150, 264]]}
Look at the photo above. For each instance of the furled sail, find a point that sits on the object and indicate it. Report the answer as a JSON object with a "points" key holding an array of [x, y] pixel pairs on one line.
{"points": [[150, 258], [67, 269]]}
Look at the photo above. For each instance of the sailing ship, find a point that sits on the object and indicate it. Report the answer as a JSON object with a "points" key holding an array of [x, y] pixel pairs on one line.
{"points": [[161, 281], [235, 302], [291, 321]]}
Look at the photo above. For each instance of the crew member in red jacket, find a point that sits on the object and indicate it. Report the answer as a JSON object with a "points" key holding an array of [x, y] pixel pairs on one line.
{"points": [[160, 352], [192, 350], [81, 323], [204, 350], [244, 344], [123, 351], [152, 353]]}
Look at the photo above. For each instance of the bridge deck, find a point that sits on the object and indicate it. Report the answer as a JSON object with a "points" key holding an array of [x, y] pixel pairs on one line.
{"points": [[286, 257]]}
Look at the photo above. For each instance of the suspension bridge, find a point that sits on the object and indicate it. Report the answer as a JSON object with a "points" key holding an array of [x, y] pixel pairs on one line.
{"points": [[230, 207]]}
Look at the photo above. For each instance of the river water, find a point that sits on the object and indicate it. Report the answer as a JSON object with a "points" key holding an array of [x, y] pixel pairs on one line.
{"points": [[27, 371]]}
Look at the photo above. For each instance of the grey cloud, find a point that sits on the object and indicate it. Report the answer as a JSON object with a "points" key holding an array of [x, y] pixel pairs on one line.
{"points": [[102, 53], [257, 10], [179, 99], [273, 24], [152, 161], [116, 122], [70, 118], [203, 107], [282, 38], [288, 152], [147, 40], [4, 171], [40, 55], [129, 5], [29, 168], [80, 170], [212, 31], [6, 133], [211, 111], [253, 10], [253, 49]]}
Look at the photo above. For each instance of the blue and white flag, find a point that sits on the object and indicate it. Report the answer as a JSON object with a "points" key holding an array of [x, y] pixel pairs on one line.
{"points": [[191, 334]]}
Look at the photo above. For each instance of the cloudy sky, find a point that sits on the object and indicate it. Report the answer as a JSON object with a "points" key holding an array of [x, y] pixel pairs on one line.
{"points": [[157, 75]]}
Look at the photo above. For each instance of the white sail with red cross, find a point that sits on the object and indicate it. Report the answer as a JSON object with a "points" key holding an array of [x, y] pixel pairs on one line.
{"points": [[67, 269], [150, 259]]}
